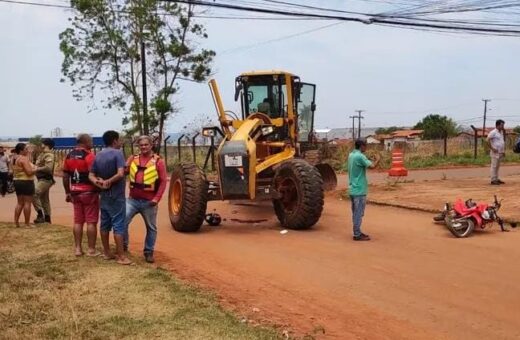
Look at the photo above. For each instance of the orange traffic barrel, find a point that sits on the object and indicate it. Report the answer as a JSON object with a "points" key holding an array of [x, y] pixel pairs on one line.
{"points": [[397, 169]]}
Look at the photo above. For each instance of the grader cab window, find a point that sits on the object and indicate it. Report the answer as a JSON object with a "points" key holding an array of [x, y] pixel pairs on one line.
{"points": [[265, 94]]}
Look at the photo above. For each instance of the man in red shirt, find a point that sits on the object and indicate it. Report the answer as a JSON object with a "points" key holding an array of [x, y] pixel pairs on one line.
{"points": [[147, 177], [82, 193]]}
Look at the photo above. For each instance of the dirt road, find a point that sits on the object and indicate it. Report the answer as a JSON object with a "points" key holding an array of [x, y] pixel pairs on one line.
{"points": [[412, 281], [379, 177]]}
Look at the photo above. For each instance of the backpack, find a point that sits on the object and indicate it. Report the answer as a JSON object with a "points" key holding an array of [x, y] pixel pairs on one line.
{"points": [[516, 147]]}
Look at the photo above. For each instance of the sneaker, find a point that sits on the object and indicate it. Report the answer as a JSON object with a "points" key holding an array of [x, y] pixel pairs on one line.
{"points": [[495, 183], [149, 258], [501, 182], [361, 237]]}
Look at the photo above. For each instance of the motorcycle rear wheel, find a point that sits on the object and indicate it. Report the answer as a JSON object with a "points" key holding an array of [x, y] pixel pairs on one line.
{"points": [[460, 227]]}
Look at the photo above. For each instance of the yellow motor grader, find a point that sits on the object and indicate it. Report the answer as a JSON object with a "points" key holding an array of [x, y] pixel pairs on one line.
{"points": [[261, 156]]}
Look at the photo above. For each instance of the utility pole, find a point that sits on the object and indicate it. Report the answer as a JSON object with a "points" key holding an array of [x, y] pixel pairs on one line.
{"points": [[359, 117], [145, 98], [485, 112], [353, 127]]}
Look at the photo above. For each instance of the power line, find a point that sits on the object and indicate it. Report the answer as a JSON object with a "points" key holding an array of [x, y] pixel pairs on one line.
{"points": [[405, 22], [246, 47]]}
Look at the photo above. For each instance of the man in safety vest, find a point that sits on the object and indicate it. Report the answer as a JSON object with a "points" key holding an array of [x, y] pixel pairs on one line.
{"points": [[82, 193], [147, 177]]}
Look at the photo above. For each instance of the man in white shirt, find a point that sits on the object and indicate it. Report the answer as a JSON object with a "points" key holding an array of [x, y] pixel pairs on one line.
{"points": [[496, 141]]}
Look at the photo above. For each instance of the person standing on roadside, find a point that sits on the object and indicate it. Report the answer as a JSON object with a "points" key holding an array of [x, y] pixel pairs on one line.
{"points": [[496, 142], [4, 171], [108, 173], [82, 193], [45, 175], [23, 174], [358, 185], [147, 176]]}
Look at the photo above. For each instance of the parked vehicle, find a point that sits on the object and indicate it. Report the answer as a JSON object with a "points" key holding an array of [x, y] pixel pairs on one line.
{"points": [[463, 217]]}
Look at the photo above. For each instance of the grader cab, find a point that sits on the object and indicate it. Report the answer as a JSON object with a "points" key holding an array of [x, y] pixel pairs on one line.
{"points": [[260, 155]]}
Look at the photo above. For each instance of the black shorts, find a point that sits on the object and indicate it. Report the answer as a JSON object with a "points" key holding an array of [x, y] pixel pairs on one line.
{"points": [[24, 187]]}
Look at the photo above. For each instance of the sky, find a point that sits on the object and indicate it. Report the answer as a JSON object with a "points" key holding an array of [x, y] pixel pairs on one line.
{"points": [[397, 76]]}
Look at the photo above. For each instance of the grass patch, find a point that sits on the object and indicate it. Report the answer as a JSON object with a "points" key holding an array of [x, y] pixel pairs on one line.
{"points": [[47, 293]]}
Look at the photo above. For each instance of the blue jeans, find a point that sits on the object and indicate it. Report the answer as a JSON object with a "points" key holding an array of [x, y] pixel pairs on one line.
{"points": [[113, 211], [358, 211], [149, 213]]}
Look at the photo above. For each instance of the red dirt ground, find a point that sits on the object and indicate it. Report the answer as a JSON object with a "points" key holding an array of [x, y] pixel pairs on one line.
{"points": [[412, 281]]}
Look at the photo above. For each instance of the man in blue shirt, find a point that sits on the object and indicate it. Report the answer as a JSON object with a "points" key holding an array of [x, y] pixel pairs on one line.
{"points": [[108, 173], [358, 185]]}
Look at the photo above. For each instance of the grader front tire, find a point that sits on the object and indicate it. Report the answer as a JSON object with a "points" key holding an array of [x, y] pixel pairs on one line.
{"points": [[301, 188], [187, 197]]}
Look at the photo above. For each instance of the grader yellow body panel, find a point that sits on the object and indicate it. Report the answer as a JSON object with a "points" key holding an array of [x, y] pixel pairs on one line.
{"points": [[259, 156]]}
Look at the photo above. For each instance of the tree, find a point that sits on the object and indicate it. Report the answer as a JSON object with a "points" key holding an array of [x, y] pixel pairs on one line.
{"points": [[110, 45], [517, 129], [36, 140], [437, 127]]}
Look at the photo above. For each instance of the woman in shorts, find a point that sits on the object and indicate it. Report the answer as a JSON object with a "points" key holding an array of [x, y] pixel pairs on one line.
{"points": [[23, 175]]}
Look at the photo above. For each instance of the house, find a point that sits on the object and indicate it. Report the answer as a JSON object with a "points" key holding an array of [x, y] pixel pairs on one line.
{"points": [[377, 139], [412, 137]]}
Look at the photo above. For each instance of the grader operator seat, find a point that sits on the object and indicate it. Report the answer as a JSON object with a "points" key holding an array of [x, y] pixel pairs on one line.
{"points": [[265, 107]]}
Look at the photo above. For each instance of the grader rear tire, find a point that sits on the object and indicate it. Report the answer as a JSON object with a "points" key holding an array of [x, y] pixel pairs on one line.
{"points": [[187, 197], [301, 187]]}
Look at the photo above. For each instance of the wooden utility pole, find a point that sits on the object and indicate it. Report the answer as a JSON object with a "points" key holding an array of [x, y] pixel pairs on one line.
{"points": [[146, 120]]}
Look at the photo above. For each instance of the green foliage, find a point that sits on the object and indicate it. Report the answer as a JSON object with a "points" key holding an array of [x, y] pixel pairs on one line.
{"points": [[517, 129], [102, 54], [36, 140], [437, 127]]}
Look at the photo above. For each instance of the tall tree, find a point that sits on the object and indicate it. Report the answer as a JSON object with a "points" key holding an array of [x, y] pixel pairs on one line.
{"points": [[437, 127], [103, 53]]}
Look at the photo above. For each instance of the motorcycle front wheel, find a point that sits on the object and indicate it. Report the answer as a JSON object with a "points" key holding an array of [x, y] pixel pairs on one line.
{"points": [[461, 227]]}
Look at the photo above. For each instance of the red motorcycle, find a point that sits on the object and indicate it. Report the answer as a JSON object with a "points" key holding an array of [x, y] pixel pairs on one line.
{"points": [[464, 216]]}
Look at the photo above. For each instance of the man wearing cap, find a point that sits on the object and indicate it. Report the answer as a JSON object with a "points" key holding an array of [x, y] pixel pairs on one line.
{"points": [[45, 175], [358, 185]]}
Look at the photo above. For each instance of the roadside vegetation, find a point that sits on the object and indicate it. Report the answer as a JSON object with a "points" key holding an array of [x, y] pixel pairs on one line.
{"points": [[421, 159], [46, 293]]}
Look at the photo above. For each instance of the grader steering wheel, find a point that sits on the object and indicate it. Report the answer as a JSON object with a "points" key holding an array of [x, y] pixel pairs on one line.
{"points": [[262, 116]]}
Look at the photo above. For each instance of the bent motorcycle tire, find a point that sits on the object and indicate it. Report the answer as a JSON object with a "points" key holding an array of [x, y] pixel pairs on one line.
{"points": [[461, 227]]}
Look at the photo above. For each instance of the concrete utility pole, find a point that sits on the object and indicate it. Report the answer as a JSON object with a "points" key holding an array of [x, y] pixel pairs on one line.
{"points": [[359, 117], [353, 127], [485, 112]]}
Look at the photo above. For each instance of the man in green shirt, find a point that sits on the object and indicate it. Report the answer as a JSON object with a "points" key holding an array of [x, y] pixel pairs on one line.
{"points": [[358, 185]]}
